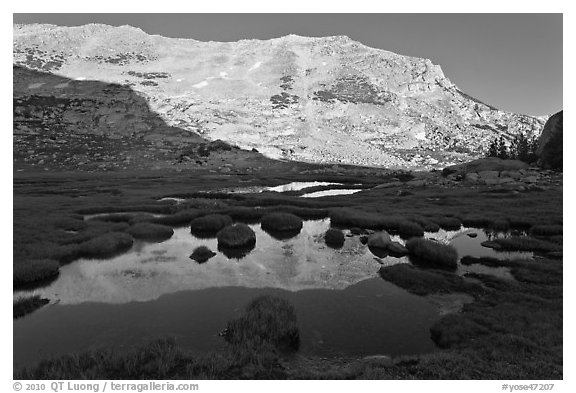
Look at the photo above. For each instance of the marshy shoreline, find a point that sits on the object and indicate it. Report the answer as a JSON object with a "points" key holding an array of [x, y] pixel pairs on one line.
{"points": [[511, 330]]}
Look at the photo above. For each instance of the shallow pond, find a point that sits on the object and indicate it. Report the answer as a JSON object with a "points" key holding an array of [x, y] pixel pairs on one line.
{"points": [[318, 194], [150, 270], [471, 246], [155, 290], [368, 318], [92, 216], [294, 186]]}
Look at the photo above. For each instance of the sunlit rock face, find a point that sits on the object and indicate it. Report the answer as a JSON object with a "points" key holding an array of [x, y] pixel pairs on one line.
{"points": [[325, 99]]}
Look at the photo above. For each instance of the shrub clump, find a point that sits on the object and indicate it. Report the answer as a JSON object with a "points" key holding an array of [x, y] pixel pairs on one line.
{"points": [[268, 322], [149, 231], [334, 237], [236, 236], [36, 271], [202, 254], [210, 224], [408, 229], [27, 305], [431, 252], [281, 222]]}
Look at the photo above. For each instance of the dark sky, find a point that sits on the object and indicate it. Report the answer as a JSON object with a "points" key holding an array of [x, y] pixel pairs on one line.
{"points": [[511, 61]]}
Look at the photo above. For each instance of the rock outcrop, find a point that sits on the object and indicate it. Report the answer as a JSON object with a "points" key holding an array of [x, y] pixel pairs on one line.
{"points": [[486, 166], [550, 142], [325, 99]]}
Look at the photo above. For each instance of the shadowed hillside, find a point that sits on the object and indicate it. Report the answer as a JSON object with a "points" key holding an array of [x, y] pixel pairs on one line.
{"points": [[60, 123]]}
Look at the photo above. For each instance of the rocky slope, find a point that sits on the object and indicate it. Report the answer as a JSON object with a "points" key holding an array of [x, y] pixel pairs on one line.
{"points": [[328, 100]]}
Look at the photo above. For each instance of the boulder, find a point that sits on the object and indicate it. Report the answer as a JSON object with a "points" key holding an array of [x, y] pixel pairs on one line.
{"points": [[379, 240], [511, 174], [530, 179], [550, 143], [416, 183], [488, 174], [485, 164], [497, 181], [472, 177]]}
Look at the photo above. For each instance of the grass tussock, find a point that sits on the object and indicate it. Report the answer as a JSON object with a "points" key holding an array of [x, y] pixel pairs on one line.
{"points": [[408, 229], [106, 246], [305, 213], [546, 230], [522, 243], [427, 224], [118, 217], [281, 222], [236, 236], [151, 232], [70, 223], [429, 252], [246, 214], [479, 222], [102, 246], [267, 321], [209, 224], [426, 282], [348, 218], [36, 272], [449, 223], [157, 208], [179, 219], [202, 254], [344, 217], [520, 223], [334, 238], [499, 225], [27, 305]]}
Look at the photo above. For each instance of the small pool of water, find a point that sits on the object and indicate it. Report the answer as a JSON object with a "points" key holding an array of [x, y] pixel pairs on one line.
{"points": [[92, 216], [294, 186], [177, 200], [318, 194], [297, 186], [471, 246]]}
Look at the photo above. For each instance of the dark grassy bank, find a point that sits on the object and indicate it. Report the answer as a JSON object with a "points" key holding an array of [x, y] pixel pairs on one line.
{"points": [[27, 305]]}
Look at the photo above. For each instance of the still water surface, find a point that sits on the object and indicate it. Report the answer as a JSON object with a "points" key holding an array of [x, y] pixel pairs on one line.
{"points": [[155, 290]]}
